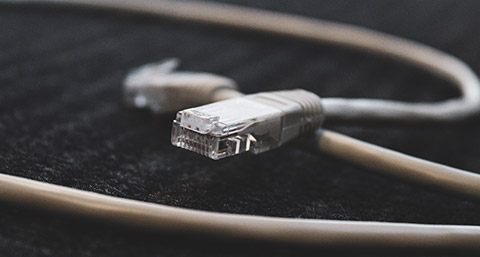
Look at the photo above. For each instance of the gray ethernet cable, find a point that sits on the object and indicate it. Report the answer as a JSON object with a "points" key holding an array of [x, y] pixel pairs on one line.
{"points": [[217, 131]]}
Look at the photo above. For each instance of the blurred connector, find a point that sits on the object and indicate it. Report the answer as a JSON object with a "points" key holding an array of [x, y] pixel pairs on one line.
{"points": [[158, 87], [255, 123]]}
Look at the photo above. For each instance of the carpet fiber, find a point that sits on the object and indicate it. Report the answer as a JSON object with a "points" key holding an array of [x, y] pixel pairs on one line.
{"points": [[62, 121]]}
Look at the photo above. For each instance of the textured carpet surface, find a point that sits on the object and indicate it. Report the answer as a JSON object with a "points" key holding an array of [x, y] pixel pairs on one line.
{"points": [[62, 122]]}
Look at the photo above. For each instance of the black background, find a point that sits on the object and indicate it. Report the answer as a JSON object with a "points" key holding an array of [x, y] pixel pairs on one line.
{"points": [[62, 122]]}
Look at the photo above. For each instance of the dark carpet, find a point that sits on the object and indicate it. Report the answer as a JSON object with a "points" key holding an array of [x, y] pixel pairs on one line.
{"points": [[62, 122]]}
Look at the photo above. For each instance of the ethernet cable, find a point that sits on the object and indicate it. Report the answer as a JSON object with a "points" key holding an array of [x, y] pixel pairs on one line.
{"points": [[218, 129], [235, 124], [264, 121]]}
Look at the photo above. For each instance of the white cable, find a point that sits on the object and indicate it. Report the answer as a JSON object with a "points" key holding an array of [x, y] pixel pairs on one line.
{"points": [[340, 234], [422, 56], [463, 183], [316, 232]]}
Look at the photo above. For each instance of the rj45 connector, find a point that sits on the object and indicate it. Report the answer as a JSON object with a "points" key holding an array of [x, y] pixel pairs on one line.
{"points": [[255, 123]]}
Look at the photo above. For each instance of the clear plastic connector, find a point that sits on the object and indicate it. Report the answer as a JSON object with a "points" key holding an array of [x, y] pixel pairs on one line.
{"points": [[254, 123]]}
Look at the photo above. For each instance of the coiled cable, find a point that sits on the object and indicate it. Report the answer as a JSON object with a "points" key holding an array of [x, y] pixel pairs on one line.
{"points": [[283, 230]]}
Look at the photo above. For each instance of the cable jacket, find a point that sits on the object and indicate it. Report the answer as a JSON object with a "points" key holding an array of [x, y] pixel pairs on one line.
{"points": [[328, 233], [419, 55], [391, 163]]}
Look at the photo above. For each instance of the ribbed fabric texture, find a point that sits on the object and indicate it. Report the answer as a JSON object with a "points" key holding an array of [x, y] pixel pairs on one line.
{"points": [[62, 121]]}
